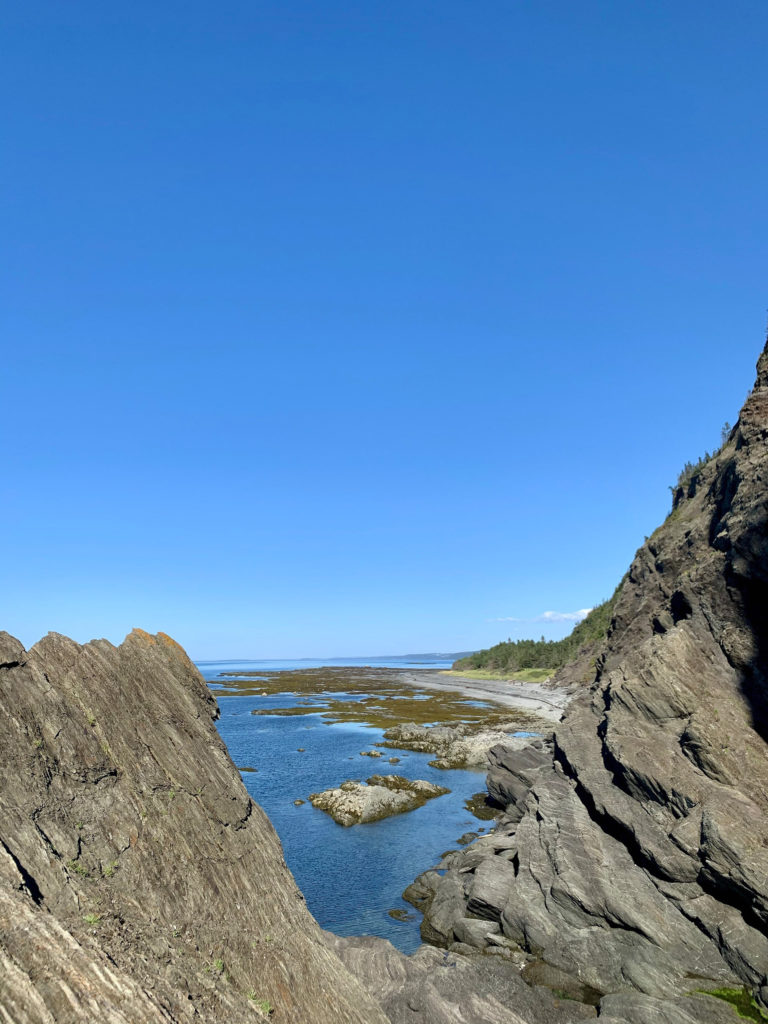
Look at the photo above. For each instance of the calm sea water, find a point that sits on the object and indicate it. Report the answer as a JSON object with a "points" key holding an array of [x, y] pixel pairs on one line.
{"points": [[211, 669], [351, 877]]}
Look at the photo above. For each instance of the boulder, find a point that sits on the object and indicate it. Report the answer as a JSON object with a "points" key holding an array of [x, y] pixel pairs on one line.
{"points": [[355, 803]]}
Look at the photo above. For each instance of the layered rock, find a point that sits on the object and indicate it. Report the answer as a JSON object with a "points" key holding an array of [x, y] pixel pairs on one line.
{"points": [[355, 803], [458, 746], [138, 881], [435, 987], [633, 858]]}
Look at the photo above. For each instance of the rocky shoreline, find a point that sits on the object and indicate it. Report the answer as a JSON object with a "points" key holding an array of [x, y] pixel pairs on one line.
{"points": [[630, 860], [626, 879]]}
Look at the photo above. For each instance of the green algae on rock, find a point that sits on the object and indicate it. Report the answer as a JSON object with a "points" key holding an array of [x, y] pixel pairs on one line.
{"points": [[740, 999]]}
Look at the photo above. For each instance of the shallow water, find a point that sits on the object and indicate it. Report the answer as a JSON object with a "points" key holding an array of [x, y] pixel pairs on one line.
{"points": [[351, 877], [213, 668]]}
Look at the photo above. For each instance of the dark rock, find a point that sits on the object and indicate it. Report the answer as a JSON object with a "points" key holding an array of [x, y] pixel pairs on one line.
{"points": [[467, 838], [422, 889], [512, 773], [639, 845], [445, 907]]}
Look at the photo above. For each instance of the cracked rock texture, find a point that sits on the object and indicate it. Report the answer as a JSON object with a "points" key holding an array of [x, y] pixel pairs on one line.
{"points": [[632, 857], [628, 871], [138, 880]]}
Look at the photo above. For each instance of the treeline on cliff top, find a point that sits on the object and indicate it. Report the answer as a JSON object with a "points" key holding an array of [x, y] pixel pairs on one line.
{"points": [[516, 655]]}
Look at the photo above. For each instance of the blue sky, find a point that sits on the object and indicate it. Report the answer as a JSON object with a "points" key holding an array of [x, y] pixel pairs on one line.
{"points": [[341, 328]]}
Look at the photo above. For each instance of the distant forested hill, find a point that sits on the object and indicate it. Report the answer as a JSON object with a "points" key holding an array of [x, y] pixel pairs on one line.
{"points": [[515, 655]]}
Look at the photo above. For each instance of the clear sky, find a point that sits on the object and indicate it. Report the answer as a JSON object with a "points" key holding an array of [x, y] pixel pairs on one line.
{"points": [[355, 328]]}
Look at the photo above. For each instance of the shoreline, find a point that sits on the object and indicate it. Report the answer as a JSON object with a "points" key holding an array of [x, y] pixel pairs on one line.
{"points": [[544, 701], [535, 699]]}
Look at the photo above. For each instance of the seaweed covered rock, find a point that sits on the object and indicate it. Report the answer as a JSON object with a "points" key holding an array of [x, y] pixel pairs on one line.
{"points": [[355, 803]]}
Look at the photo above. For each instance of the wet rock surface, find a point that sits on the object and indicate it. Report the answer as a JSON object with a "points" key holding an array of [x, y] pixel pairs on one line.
{"points": [[355, 803]]}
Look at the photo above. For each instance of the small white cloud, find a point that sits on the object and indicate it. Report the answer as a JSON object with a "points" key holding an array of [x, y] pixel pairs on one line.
{"points": [[582, 613]]}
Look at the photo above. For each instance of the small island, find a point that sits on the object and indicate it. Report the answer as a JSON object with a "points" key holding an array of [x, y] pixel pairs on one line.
{"points": [[357, 803]]}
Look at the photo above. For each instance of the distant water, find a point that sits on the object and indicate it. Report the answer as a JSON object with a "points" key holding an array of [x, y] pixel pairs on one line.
{"points": [[351, 877], [212, 668]]}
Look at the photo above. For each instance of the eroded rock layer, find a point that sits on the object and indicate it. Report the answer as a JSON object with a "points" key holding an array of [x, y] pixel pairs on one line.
{"points": [[138, 880], [633, 855]]}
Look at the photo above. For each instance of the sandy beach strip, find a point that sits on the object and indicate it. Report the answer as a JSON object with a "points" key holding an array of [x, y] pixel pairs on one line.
{"points": [[547, 702]]}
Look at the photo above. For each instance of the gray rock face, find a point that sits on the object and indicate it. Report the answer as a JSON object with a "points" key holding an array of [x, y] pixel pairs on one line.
{"points": [[436, 987], [459, 746], [633, 854], [355, 803], [138, 881]]}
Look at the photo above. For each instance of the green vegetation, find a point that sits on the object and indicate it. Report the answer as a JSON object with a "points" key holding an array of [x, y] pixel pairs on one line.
{"points": [[740, 999], [692, 469], [517, 658], [78, 868], [479, 806], [110, 869], [263, 1005], [91, 918], [383, 700]]}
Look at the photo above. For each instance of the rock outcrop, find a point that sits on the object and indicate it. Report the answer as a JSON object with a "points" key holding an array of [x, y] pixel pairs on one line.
{"points": [[626, 878], [355, 803], [138, 881], [632, 856], [458, 746]]}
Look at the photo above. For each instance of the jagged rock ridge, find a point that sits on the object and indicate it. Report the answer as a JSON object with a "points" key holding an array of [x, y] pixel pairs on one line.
{"points": [[138, 880], [633, 857]]}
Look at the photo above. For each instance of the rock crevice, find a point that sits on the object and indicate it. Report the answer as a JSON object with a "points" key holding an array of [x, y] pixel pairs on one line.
{"points": [[639, 839]]}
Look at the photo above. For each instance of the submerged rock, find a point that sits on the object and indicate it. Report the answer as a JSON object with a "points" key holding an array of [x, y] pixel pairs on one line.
{"points": [[355, 803], [401, 914]]}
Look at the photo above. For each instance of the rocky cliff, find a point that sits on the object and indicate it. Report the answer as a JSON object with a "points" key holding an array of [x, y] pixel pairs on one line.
{"points": [[632, 857], [626, 879], [138, 880]]}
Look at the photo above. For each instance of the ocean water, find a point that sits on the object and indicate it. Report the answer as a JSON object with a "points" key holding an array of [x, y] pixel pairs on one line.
{"points": [[351, 877], [211, 669]]}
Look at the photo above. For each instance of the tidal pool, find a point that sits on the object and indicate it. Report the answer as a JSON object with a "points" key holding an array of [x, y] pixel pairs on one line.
{"points": [[351, 877]]}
